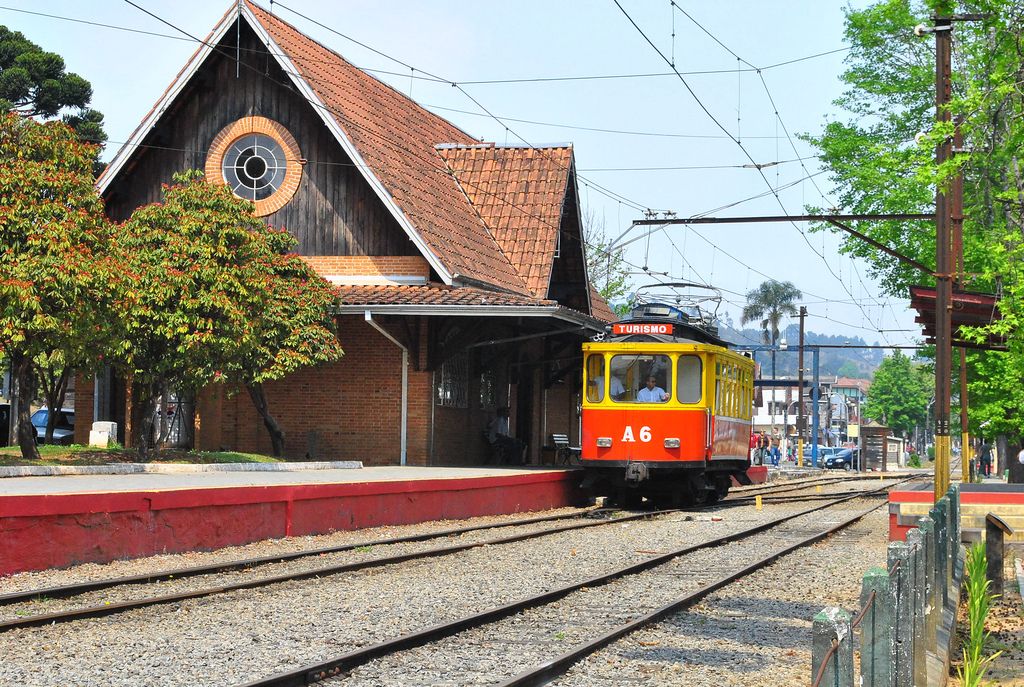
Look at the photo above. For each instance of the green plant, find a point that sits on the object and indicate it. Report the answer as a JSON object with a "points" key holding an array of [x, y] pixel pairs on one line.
{"points": [[931, 453], [363, 549], [915, 461], [979, 600]]}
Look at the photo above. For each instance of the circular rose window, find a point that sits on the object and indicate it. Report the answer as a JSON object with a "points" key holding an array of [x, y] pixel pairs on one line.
{"points": [[259, 160]]}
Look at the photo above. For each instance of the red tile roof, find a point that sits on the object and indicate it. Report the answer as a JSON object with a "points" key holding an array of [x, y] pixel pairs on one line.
{"points": [[599, 307], [852, 383], [396, 139], [433, 294], [519, 192]]}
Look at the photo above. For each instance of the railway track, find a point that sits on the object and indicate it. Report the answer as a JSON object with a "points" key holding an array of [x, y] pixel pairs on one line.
{"points": [[26, 614], [538, 619]]}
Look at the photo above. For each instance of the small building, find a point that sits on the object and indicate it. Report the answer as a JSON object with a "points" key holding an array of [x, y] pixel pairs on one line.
{"points": [[460, 266]]}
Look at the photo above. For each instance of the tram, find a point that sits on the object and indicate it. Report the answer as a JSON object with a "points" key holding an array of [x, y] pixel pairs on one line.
{"points": [[667, 407]]}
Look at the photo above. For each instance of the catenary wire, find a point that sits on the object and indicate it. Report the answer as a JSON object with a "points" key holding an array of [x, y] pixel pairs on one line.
{"points": [[739, 143]]}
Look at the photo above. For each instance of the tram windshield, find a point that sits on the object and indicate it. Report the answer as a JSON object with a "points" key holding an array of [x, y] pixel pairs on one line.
{"points": [[645, 378]]}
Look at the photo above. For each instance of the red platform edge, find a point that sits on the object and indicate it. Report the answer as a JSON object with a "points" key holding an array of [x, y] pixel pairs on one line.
{"points": [[898, 531], [38, 532], [758, 474]]}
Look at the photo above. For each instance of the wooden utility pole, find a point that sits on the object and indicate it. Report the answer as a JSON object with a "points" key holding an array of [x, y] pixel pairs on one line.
{"points": [[956, 192], [943, 268]]}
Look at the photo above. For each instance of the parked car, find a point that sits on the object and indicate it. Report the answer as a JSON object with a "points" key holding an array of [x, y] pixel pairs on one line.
{"points": [[836, 457], [5, 422], [63, 428]]}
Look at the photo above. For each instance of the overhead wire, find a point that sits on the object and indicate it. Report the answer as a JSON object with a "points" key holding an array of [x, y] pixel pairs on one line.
{"points": [[735, 140], [788, 136], [601, 189]]}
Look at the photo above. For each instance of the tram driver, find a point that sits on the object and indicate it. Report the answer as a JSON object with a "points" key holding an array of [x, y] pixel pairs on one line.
{"points": [[596, 393], [652, 393]]}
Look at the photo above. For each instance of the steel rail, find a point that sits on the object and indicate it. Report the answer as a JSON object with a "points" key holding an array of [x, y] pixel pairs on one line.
{"points": [[65, 591], [322, 571], [316, 672], [544, 673]]}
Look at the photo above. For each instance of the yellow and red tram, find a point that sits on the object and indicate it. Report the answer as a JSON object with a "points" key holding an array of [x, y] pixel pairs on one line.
{"points": [[667, 410]]}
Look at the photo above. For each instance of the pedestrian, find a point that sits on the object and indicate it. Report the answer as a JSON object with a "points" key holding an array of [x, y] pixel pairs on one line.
{"points": [[775, 453], [985, 458], [763, 447]]}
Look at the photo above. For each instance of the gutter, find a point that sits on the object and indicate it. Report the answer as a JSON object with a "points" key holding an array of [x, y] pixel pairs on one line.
{"points": [[557, 312], [405, 383]]}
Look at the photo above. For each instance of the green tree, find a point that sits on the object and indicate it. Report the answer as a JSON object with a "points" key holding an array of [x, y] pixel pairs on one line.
{"points": [[294, 329], [877, 166], [34, 83], [899, 394], [769, 303], [606, 269], [208, 293], [54, 267]]}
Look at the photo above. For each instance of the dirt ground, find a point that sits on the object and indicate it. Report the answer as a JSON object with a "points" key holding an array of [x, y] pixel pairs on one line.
{"points": [[1006, 625]]}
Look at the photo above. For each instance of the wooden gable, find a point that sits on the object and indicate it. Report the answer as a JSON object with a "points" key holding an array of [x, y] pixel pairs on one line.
{"points": [[333, 212]]}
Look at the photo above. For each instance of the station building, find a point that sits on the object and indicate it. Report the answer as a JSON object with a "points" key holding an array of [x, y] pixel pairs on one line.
{"points": [[460, 267]]}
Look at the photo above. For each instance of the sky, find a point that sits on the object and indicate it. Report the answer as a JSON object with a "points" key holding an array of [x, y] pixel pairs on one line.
{"points": [[643, 140]]}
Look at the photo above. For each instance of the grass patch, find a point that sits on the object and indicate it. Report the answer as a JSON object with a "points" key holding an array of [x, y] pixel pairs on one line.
{"points": [[88, 455]]}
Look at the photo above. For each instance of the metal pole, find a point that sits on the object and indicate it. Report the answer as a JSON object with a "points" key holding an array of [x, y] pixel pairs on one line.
{"points": [[943, 278], [815, 392], [801, 421]]}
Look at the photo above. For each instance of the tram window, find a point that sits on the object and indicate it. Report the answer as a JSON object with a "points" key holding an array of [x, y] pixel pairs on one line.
{"points": [[595, 378], [634, 370], [689, 373]]}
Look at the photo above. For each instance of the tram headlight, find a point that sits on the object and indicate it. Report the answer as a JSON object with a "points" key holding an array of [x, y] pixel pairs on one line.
{"points": [[604, 442], [672, 443]]}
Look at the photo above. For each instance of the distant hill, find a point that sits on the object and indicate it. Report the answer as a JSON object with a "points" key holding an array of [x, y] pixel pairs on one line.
{"points": [[842, 362]]}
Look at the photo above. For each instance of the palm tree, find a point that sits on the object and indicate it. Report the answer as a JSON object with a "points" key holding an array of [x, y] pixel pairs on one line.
{"points": [[770, 302]]}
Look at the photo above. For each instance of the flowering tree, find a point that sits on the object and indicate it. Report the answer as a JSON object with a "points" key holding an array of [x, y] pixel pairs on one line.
{"points": [[53, 267], [209, 293]]}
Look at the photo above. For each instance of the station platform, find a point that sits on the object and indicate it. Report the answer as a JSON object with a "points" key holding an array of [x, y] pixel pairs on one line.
{"points": [[908, 503], [52, 522]]}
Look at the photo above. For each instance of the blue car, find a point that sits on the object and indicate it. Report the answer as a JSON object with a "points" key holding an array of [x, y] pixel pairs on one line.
{"points": [[836, 457]]}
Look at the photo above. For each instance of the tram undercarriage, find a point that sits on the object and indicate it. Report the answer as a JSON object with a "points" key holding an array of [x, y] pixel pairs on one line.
{"points": [[629, 485]]}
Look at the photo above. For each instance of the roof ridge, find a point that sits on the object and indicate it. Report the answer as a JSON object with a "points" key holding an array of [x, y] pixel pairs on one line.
{"points": [[253, 5], [509, 146]]}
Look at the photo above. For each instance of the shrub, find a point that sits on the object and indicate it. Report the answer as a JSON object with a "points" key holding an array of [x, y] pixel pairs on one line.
{"points": [[915, 461]]}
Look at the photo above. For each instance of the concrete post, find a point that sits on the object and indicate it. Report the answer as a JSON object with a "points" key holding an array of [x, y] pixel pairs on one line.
{"points": [[941, 518], [995, 529], [931, 611], [918, 588], [877, 631], [832, 624], [899, 562]]}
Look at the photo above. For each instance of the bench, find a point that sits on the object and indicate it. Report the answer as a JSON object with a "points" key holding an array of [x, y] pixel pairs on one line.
{"points": [[564, 453]]}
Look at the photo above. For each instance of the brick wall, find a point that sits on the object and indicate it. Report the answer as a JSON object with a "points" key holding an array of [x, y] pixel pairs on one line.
{"points": [[369, 265], [348, 410], [351, 409], [83, 404]]}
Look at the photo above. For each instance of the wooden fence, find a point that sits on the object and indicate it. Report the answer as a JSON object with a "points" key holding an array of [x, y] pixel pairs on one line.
{"points": [[901, 621]]}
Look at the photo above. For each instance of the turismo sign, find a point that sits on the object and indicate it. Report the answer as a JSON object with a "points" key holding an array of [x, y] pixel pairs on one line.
{"points": [[641, 328]]}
